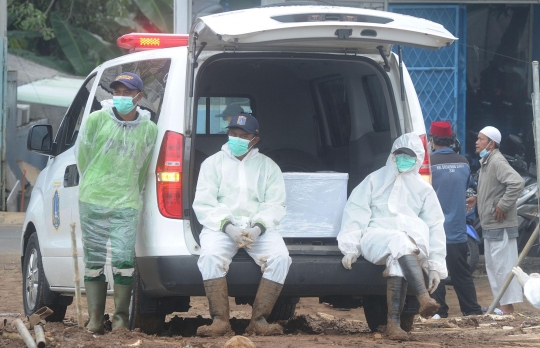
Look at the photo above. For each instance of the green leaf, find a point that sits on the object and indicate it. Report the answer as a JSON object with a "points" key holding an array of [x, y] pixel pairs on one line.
{"points": [[48, 61], [159, 12], [105, 49], [130, 23], [74, 50]]}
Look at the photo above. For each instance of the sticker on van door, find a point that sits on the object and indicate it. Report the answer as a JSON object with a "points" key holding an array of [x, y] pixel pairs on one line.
{"points": [[56, 206]]}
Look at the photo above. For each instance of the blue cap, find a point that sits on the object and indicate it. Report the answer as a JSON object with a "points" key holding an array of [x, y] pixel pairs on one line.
{"points": [[245, 122], [130, 80]]}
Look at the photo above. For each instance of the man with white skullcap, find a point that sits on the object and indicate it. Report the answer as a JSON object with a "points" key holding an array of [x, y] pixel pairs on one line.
{"points": [[499, 186]]}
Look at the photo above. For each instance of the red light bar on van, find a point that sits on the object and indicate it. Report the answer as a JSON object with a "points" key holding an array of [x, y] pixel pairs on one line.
{"points": [[148, 41]]}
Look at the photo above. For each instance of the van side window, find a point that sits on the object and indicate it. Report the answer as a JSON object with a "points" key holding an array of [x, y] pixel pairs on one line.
{"points": [[69, 129], [376, 103], [335, 102], [214, 113], [153, 73]]}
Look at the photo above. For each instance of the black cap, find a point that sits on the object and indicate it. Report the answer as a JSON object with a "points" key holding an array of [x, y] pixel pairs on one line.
{"points": [[406, 151], [231, 110], [245, 122]]}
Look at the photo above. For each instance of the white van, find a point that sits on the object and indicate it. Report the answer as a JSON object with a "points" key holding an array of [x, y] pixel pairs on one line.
{"points": [[330, 97]]}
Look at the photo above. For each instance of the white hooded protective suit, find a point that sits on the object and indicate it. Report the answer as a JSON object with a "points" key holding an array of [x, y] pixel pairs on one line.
{"points": [[391, 214], [245, 193], [532, 291]]}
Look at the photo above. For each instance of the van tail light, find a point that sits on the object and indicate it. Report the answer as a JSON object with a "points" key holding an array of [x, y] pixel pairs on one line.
{"points": [[169, 175], [425, 169], [148, 41]]}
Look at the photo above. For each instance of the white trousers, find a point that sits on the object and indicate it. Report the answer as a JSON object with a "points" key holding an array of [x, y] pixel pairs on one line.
{"points": [[382, 246], [268, 251], [500, 258]]}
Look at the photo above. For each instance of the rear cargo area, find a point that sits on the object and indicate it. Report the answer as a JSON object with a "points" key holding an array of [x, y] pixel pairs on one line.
{"points": [[326, 120]]}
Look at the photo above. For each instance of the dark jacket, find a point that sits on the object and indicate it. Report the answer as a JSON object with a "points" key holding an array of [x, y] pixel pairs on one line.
{"points": [[450, 179]]}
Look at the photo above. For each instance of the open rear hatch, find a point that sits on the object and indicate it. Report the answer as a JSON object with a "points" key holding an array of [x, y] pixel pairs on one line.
{"points": [[317, 29]]}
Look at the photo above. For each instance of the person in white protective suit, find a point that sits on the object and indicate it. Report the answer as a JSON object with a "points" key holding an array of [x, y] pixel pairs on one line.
{"points": [[394, 218], [530, 284], [240, 198]]}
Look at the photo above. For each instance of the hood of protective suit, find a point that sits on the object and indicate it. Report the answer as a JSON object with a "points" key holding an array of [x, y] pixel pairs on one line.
{"points": [[411, 141]]}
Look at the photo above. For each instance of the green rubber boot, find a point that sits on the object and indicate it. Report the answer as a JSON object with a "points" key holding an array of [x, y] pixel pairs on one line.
{"points": [[122, 299], [96, 294]]}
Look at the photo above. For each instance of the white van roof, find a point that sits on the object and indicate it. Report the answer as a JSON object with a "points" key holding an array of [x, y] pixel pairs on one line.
{"points": [[316, 29]]}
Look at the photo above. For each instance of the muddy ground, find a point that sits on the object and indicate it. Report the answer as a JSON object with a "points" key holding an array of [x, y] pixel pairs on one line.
{"points": [[315, 325]]}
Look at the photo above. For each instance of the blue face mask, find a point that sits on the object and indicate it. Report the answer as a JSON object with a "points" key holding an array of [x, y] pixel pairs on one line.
{"points": [[404, 162], [484, 152], [123, 105], [238, 146]]}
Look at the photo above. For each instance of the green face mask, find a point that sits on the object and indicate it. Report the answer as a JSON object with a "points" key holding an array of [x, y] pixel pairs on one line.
{"points": [[404, 162], [239, 147], [223, 125], [123, 104]]}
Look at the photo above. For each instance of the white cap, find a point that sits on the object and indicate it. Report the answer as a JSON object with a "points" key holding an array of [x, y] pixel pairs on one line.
{"points": [[492, 133]]}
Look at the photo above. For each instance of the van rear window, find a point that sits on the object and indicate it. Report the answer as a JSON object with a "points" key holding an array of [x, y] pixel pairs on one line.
{"points": [[336, 110], [376, 103], [214, 113]]}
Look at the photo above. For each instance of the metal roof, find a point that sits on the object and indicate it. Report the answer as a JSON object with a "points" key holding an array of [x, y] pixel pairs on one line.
{"points": [[57, 91]]}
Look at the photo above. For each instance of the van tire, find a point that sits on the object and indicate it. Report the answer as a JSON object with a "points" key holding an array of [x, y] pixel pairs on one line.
{"points": [[282, 311], [150, 324], [34, 300], [376, 312]]}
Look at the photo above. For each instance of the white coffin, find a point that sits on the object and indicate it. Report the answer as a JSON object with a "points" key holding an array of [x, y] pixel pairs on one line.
{"points": [[315, 203]]}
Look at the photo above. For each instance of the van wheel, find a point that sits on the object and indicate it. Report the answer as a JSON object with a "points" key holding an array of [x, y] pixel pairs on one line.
{"points": [[376, 312], [283, 310], [34, 283], [473, 253], [150, 324]]}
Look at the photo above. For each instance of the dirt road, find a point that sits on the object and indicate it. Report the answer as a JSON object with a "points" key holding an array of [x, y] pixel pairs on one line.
{"points": [[314, 326]]}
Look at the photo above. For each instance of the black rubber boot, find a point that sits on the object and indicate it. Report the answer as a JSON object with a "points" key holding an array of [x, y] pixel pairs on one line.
{"points": [[395, 299], [96, 295], [414, 275], [266, 298], [122, 299], [218, 301]]}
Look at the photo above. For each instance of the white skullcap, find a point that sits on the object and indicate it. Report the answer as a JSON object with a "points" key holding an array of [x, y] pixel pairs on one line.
{"points": [[492, 133]]}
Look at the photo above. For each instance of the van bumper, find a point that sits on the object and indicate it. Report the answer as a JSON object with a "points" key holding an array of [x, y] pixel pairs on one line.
{"points": [[309, 276]]}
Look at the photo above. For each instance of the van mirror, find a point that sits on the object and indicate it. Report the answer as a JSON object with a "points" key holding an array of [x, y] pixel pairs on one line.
{"points": [[40, 140]]}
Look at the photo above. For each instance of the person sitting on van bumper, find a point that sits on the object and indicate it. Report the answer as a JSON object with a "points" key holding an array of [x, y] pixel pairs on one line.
{"points": [[394, 218], [530, 284], [240, 198], [112, 159]]}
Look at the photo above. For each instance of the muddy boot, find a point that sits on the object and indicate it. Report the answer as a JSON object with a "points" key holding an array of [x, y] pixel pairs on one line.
{"points": [[218, 301], [122, 299], [266, 298], [414, 275], [395, 299], [96, 294]]}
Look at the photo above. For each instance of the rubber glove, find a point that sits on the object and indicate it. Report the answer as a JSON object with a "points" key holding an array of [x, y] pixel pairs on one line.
{"points": [[348, 260], [521, 276], [252, 234], [434, 280], [236, 233]]}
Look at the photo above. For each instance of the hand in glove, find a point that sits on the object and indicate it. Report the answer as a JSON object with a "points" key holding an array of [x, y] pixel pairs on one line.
{"points": [[434, 280], [348, 260], [252, 234], [236, 233], [521, 276]]}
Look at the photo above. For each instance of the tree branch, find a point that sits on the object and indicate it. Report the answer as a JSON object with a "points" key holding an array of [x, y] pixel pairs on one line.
{"points": [[49, 8], [70, 10]]}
